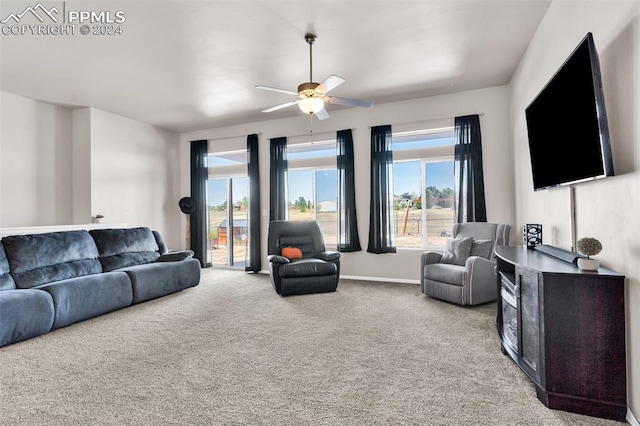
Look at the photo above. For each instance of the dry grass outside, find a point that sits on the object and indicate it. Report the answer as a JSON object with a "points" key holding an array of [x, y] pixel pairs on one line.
{"points": [[218, 247], [439, 224], [328, 222]]}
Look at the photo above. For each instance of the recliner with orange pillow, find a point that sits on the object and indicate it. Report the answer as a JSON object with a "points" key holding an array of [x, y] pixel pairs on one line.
{"points": [[298, 260]]}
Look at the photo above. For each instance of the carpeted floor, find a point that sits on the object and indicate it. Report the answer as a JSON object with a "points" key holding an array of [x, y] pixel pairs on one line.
{"points": [[232, 352]]}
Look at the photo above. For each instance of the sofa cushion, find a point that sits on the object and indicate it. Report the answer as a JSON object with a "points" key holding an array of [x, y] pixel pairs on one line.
{"points": [[308, 285], [81, 298], [44, 258], [24, 314], [124, 260], [6, 282], [307, 268], [161, 278], [121, 248], [446, 273]]}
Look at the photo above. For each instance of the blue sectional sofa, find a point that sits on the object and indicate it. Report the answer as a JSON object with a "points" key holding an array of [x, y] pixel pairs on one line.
{"points": [[52, 280]]}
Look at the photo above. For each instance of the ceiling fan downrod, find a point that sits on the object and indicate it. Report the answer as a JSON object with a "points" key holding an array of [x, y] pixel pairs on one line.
{"points": [[310, 39], [307, 90]]}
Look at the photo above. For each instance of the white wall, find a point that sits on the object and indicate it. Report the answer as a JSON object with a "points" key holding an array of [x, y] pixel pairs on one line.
{"points": [[81, 166], [134, 174], [35, 169], [61, 167], [608, 209], [1, 139], [404, 265]]}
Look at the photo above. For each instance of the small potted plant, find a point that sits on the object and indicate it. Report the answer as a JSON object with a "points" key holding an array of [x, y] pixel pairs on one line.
{"points": [[589, 247], [98, 218]]}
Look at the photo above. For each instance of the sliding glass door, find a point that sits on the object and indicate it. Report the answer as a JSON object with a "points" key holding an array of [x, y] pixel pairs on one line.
{"points": [[228, 221]]}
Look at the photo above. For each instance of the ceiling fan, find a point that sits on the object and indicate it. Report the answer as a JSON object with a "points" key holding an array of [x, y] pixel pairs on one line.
{"points": [[313, 96]]}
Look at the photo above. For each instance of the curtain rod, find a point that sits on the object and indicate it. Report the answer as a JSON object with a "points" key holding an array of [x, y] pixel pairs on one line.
{"points": [[427, 119], [335, 131], [233, 137], [328, 132]]}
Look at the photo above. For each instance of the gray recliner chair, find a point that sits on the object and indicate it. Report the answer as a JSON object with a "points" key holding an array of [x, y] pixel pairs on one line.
{"points": [[317, 271], [464, 273]]}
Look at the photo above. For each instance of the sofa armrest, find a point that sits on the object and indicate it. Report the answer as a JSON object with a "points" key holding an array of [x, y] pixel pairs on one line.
{"points": [[481, 276], [429, 258], [162, 246], [276, 258], [175, 256], [328, 256]]}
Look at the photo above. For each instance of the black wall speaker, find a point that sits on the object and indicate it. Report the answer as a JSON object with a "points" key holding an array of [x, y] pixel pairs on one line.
{"points": [[186, 205]]}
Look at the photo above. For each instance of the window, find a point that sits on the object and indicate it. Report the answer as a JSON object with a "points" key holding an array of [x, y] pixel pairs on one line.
{"points": [[423, 182], [313, 185]]}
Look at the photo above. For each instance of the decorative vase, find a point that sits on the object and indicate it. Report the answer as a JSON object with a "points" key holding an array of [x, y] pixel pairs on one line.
{"points": [[588, 264]]}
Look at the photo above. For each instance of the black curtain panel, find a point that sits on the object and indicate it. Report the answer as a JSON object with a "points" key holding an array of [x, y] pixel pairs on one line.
{"points": [[348, 238], [253, 258], [278, 179], [198, 218], [381, 233], [469, 178]]}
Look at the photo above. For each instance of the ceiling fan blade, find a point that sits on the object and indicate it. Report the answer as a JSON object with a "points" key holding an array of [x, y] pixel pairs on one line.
{"points": [[275, 108], [349, 102], [274, 89], [322, 114], [330, 83]]}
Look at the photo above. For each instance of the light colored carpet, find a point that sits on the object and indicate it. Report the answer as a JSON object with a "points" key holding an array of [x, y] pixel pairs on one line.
{"points": [[233, 352]]}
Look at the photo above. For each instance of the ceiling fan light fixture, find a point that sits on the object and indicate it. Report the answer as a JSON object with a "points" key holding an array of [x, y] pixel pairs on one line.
{"points": [[311, 105], [313, 95]]}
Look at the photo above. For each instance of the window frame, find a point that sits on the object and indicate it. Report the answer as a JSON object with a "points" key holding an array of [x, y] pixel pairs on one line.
{"points": [[424, 155], [228, 170], [314, 165]]}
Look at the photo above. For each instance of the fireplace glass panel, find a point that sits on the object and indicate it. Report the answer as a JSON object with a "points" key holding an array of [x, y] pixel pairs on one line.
{"points": [[509, 319]]}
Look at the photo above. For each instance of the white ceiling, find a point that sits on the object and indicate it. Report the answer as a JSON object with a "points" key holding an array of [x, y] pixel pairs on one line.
{"points": [[190, 65]]}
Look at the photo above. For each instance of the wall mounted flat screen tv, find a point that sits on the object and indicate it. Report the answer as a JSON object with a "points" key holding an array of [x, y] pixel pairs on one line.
{"points": [[567, 124]]}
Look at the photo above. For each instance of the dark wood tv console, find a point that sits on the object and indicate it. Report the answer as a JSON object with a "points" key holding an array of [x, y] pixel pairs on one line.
{"points": [[565, 329]]}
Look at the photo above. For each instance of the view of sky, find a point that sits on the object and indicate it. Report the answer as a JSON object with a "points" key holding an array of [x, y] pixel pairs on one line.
{"points": [[406, 178], [300, 184], [403, 143], [217, 190]]}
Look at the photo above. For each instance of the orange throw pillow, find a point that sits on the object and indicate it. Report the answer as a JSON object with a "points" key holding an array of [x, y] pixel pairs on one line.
{"points": [[291, 253]]}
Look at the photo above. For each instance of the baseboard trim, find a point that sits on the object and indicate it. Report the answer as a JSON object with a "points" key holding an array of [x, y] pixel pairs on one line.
{"points": [[631, 418], [378, 279]]}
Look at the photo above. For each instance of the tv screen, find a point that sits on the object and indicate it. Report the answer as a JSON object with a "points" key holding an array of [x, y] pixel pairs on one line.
{"points": [[567, 124]]}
